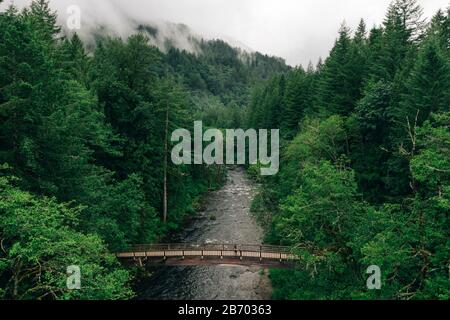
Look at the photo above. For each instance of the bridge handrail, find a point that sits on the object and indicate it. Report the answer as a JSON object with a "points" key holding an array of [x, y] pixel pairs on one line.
{"points": [[208, 247]]}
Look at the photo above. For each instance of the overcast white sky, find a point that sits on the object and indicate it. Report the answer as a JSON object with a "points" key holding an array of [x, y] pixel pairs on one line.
{"points": [[297, 30]]}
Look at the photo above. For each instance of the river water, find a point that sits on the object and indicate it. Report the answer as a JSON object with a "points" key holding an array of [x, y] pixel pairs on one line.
{"points": [[225, 218]]}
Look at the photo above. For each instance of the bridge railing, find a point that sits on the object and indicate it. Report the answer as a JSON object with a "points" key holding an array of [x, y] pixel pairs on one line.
{"points": [[208, 250], [208, 247]]}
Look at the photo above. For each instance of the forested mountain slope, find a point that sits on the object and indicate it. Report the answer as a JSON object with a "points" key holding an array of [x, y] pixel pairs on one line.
{"points": [[364, 176], [82, 147], [365, 170]]}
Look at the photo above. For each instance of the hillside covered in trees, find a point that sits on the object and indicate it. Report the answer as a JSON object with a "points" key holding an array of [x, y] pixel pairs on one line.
{"points": [[365, 169], [84, 169]]}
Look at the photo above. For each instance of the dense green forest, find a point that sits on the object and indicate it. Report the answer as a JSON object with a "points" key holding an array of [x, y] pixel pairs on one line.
{"points": [[365, 169], [83, 160]]}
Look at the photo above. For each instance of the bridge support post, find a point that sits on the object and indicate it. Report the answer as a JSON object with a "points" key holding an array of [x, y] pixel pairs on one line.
{"points": [[260, 253], [183, 254], [202, 255]]}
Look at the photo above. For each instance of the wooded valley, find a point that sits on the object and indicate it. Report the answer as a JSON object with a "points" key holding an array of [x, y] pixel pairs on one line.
{"points": [[365, 154]]}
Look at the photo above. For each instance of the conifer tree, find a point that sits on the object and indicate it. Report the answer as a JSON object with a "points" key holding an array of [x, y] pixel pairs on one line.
{"points": [[341, 77], [440, 29], [295, 103], [44, 19], [403, 28], [428, 86]]}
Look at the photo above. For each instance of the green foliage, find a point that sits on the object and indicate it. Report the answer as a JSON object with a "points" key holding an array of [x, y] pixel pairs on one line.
{"points": [[296, 102], [428, 84], [39, 242], [90, 130], [320, 208], [368, 130], [364, 173], [223, 71], [342, 75]]}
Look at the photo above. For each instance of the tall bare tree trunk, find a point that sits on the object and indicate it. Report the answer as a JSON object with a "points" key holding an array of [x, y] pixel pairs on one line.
{"points": [[166, 147]]}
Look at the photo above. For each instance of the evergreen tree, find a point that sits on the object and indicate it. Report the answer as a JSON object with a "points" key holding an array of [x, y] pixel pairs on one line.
{"points": [[403, 28], [341, 80], [389, 143], [297, 101], [427, 87], [363, 179], [440, 29], [43, 19], [369, 127], [75, 60]]}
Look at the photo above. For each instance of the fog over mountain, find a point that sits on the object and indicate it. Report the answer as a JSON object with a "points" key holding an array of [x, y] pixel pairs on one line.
{"points": [[297, 30]]}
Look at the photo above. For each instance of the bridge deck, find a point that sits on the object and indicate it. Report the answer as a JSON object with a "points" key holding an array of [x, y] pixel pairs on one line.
{"points": [[192, 254]]}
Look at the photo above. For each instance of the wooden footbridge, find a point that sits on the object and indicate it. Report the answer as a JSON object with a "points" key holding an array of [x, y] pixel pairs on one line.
{"points": [[209, 254]]}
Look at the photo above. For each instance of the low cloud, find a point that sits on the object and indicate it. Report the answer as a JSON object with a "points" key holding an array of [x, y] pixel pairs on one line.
{"points": [[297, 30]]}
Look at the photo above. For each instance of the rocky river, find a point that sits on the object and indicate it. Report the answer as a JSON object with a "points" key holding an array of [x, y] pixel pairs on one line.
{"points": [[225, 218]]}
